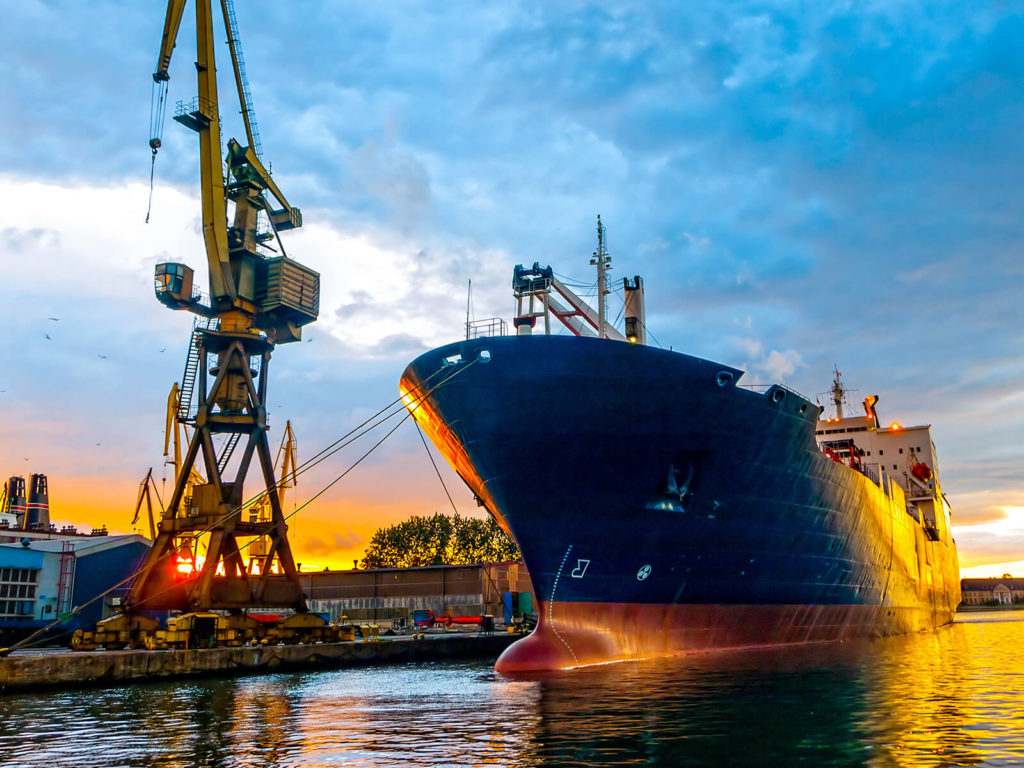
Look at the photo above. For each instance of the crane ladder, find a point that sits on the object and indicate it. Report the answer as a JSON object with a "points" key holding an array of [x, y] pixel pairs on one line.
{"points": [[227, 450], [66, 577], [257, 146], [188, 378]]}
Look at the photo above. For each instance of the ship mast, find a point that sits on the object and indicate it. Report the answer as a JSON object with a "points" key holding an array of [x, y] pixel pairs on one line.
{"points": [[838, 393], [603, 262]]}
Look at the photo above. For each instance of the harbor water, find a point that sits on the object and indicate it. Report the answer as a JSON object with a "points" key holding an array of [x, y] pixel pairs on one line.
{"points": [[945, 698]]}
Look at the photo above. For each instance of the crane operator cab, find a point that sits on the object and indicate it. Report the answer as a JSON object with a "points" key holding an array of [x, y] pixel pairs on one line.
{"points": [[173, 284]]}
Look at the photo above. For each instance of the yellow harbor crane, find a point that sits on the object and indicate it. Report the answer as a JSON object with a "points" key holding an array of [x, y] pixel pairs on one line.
{"points": [[256, 300]]}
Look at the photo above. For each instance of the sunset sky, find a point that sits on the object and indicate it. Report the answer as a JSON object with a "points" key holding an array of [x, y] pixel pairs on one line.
{"points": [[801, 186]]}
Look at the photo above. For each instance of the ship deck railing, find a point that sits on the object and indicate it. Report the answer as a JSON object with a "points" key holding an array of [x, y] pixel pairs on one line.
{"points": [[870, 471], [492, 326]]}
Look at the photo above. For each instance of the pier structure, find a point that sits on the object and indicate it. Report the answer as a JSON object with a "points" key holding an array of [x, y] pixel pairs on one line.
{"points": [[35, 671]]}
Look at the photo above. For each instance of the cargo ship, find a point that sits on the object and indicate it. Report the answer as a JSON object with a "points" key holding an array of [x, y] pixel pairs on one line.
{"points": [[662, 507]]}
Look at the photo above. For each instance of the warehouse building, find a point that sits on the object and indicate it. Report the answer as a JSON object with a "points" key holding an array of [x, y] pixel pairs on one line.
{"points": [[502, 590], [1001, 590], [43, 577]]}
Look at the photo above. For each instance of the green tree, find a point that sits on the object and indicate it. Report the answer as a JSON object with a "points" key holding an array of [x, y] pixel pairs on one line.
{"points": [[439, 540]]}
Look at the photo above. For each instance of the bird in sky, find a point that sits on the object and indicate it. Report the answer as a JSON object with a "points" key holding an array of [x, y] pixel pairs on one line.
{"points": [[102, 357], [163, 350], [47, 337], [55, 319]]}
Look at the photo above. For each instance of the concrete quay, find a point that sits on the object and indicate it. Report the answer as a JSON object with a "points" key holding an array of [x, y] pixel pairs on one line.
{"points": [[39, 671]]}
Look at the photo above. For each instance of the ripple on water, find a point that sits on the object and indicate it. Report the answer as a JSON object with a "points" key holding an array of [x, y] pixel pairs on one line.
{"points": [[951, 697]]}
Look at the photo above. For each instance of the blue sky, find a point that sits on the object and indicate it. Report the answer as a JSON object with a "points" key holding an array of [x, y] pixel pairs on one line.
{"points": [[801, 185]]}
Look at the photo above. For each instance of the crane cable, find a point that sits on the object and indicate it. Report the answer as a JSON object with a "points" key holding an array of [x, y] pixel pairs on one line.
{"points": [[344, 441], [157, 113], [28, 641]]}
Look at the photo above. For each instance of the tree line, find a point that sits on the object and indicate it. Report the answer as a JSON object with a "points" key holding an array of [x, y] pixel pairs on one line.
{"points": [[439, 539]]}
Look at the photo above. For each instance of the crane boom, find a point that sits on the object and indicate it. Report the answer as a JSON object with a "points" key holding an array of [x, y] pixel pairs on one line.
{"points": [[222, 285], [175, 9]]}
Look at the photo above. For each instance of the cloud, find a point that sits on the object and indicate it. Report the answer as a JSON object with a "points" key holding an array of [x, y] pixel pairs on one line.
{"points": [[835, 184], [997, 540], [780, 365], [319, 547], [750, 347], [398, 344], [30, 240], [775, 366], [397, 178]]}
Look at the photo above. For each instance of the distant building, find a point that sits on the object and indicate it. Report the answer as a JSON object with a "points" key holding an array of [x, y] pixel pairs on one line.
{"points": [[1004, 590], [44, 576], [502, 590]]}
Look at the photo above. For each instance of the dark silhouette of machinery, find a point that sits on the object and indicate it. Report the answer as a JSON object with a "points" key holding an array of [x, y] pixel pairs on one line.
{"points": [[258, 297]]}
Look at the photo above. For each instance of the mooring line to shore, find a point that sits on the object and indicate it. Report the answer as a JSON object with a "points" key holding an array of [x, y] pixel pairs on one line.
{"points": [[356, 463], [344, 441], [434, 465], [319, 457]]}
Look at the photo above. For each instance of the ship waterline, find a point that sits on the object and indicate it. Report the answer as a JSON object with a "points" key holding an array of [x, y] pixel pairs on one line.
{"points": [[581, 634]]}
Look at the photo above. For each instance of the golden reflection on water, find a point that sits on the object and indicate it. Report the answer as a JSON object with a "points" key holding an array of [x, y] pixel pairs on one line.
{"points": [[947, 698]]}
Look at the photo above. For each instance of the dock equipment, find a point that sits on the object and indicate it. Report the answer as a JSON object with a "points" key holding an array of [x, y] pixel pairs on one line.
{"points": [[257, 299]]}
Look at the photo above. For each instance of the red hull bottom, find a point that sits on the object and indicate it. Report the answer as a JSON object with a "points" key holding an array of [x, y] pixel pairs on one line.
{"points": [[579, 634]]}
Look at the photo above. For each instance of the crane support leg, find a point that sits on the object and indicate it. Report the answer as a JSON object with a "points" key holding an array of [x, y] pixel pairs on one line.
{"points": [[215, 514]]}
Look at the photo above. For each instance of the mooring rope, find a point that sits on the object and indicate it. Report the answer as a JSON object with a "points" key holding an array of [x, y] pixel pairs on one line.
{"points": [[434, 465], [323, 455]]}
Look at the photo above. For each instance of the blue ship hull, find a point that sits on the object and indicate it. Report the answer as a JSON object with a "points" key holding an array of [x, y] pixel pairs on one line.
{"points": [[660, 507]]}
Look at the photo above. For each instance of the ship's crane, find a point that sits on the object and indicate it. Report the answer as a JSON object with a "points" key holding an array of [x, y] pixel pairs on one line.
{"points": [[255, 301]]}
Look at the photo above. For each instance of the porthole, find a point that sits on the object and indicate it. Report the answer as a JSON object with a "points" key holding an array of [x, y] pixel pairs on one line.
{"points": [[484, 356], [723, 379]]}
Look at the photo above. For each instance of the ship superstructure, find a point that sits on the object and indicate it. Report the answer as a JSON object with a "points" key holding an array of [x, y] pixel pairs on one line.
{"points": [[905, 455]]}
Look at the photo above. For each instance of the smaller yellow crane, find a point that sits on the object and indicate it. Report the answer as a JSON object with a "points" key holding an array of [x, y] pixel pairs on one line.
{"points": [[260, 512], [175, 435]]}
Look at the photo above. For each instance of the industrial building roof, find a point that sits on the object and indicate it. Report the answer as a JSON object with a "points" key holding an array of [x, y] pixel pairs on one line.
{"points": [[80, 545], [990, 583]]}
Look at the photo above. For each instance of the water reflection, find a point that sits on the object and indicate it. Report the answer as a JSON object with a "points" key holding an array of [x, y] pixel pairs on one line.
{"points": [[888, 703], [946, 698]]}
